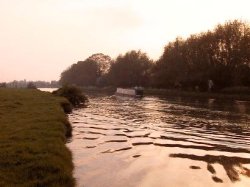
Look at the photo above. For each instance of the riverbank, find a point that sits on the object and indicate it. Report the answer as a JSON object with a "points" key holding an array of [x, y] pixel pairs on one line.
{"points": [[214, 95], [243, 96], [96, 90], [32, 139]]}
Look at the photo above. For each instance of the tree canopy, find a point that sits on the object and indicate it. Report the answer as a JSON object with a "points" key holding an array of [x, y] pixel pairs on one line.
{"points": [[222, 55], [131, 69], [87, 72]]}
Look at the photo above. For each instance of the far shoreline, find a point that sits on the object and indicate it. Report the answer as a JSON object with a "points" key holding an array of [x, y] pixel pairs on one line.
{"points": [[208, 95], [173, 92]]}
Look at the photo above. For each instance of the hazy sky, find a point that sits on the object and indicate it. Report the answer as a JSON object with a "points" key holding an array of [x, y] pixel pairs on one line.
{"points": [[40, 38]]}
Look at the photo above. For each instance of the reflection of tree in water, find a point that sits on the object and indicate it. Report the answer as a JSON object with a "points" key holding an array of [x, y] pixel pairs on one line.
{"points": [[232, 165]]}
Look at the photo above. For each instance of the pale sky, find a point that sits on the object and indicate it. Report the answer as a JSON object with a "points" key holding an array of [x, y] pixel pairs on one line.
{"points": [[41, 38]]}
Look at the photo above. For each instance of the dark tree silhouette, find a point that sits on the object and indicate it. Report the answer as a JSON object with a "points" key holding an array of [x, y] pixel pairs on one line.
{"points": [[222, 55], [131, 69], [103, 62], [88, 72]]}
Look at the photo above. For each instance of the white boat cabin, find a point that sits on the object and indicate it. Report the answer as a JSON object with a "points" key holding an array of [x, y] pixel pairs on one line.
{"points": [[136, 92]]}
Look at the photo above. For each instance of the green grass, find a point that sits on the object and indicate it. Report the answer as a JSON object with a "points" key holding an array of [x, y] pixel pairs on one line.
{"points": [[33, 130]]}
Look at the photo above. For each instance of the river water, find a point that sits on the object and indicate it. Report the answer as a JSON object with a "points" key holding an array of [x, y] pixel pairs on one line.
{"points": [[154, 142]]}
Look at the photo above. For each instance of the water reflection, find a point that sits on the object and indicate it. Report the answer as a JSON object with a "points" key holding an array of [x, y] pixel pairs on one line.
{"points": [[232, 165], [135, 142]]}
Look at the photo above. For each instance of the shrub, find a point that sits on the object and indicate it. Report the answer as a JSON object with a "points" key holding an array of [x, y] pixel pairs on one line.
{"points": [[73, 94]]}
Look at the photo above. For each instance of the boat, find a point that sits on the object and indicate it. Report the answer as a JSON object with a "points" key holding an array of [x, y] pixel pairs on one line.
{"points": [[133, 92]]}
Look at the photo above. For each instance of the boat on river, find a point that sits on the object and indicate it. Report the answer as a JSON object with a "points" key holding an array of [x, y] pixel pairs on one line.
{"points": [[133, 92]]}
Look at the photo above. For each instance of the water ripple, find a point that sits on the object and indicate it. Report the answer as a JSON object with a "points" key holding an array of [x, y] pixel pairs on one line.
{"points": [[152, 131]]}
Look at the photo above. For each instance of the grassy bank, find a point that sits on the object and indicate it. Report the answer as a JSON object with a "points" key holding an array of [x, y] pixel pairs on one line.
{"points": [[218, 95], [32, 140]]}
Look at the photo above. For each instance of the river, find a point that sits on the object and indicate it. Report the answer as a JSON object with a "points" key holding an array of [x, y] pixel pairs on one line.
{"points": [[161, 142]]}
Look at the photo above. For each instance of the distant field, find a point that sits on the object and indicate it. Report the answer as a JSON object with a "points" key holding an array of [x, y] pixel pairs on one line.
{"points": [[32, 140]]}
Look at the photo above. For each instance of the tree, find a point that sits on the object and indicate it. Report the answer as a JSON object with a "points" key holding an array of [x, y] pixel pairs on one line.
{"points": [[103, 62], [86, 73], [171, 68], [131, 69], [233, 51]]}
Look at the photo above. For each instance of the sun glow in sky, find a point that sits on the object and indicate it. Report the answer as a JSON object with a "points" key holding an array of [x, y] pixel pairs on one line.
{"points": [[41, 38]]}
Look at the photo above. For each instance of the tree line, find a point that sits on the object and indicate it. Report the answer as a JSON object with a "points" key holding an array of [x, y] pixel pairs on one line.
{"points": [[221, 55], [29, 84]]}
